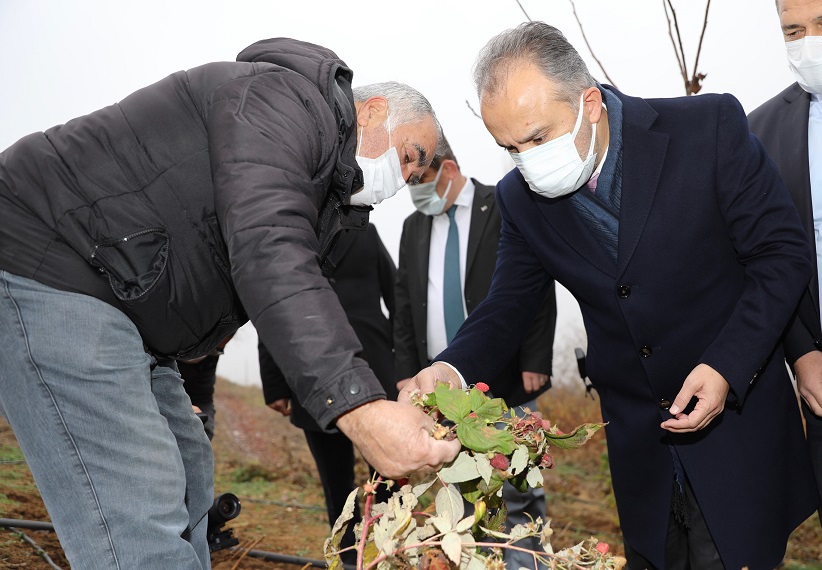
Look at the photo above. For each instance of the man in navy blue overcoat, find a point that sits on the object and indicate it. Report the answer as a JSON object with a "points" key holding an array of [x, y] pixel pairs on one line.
{"points": [[671, 227]]}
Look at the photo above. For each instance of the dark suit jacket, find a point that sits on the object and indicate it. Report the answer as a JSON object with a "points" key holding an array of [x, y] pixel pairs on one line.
{"points": [[711, 262], [782, 125], [411, 319], [363, 275]]}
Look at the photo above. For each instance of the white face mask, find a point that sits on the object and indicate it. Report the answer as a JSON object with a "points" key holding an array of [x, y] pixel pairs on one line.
{"points": [[554, 168], [382, 176], [425, 197], [805, 60]]}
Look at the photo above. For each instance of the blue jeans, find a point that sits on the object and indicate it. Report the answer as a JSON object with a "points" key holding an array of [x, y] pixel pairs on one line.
{"points": [[121, 461]]}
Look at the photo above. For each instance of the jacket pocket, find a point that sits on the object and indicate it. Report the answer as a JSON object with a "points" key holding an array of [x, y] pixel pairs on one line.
{"points": [[134, 263]]}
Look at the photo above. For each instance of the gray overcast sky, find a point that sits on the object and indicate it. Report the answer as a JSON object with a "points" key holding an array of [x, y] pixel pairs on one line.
{"points": [[61, 59]]}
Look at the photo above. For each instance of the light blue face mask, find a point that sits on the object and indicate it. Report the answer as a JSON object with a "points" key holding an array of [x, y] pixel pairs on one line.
{"points": [[425, 197]]}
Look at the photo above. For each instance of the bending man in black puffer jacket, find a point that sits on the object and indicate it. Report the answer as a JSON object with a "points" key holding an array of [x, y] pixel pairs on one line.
{"points": [[146, 232]]}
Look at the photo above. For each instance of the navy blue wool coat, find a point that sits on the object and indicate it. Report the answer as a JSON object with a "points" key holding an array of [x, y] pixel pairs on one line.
{"points": [[712, 259]]}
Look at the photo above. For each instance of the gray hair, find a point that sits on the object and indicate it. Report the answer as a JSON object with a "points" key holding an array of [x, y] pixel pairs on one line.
{"points": [[537, 43], [406, 104]]}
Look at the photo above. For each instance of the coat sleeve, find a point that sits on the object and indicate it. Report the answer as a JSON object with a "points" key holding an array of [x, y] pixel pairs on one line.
{"points": [[537, 351], [272, 147], [406, 359], [770, 244], [274, 385]]}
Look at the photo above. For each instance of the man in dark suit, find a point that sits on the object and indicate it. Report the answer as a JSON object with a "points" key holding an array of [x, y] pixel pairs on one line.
{"points": [[790, 126], [670, 226], [362, 273], [420, 323]]}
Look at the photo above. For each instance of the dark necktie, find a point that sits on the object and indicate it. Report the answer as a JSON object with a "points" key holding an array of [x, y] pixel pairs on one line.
{"points": [[451, 284]]}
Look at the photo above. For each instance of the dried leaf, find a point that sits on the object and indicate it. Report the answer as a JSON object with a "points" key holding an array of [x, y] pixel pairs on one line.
{"points": [[420, 488], [519, 461], [449, 504], [463, 468], [332, 543], [534, 478], [484, 467], [574, 439], [452, 546], [465, 524]]}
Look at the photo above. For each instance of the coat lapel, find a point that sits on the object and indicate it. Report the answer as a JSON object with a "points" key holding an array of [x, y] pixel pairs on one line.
{"points": [[480, 213], [643, 155], [563, 217], [793, 163]]}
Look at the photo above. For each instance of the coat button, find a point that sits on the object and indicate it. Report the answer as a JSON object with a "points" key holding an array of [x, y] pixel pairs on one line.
{"points": [[664, 404], [646, 351], [329, 402], [624, 291], [354, 389]]}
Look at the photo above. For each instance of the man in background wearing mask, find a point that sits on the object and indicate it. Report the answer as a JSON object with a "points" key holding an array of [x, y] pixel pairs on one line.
{"points": [[149, 231], [790, 127], [448, 251], [670, 226]]}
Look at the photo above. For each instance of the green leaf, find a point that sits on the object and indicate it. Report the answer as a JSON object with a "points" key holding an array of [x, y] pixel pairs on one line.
{"points": [[474, 434], [470, 491], [463, 468], [453, 404], [574, 439], [490, 410]]}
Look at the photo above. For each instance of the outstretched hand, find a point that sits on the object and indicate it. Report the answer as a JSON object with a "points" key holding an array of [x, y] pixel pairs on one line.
{"points": [[427, 379], [395, 438], [710, 389]]}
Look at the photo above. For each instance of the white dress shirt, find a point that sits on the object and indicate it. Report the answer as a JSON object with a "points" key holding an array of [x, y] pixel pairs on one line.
{"points": [[437, 339], [815, 168]]}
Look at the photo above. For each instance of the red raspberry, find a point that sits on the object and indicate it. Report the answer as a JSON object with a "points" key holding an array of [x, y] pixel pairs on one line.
{"points": [[482, 387], [472, 415], [499, 461], [602, 547], [547, 462], [546, 425]]}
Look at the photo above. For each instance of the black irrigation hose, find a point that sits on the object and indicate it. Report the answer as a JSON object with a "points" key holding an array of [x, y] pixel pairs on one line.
{"points": [[42, 553], [32, 525], [288, 505]]}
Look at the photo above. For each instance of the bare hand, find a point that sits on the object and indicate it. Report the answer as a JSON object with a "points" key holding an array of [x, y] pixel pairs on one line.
{"points": [[711, 390], [427, 379], [533, 381], [395, 438], [809, 380], [283, 405], [401, 383]]}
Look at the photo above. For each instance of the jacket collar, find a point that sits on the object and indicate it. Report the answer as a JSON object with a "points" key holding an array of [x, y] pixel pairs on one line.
{"points": [[642, 159]]}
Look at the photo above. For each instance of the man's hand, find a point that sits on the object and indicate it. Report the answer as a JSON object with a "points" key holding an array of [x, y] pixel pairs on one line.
{"points": [[401, 383], [283, 405], [710, 388], [809, 380], [395, 438], [533, 381], [427, 379]]}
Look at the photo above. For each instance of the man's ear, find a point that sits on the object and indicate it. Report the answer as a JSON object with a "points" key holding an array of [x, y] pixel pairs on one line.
{"points": [[372, 112], [449, 168], [592, 101]]}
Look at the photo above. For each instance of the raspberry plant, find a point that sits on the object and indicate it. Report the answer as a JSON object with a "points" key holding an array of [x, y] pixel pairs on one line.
{"points": [[414, 530]]}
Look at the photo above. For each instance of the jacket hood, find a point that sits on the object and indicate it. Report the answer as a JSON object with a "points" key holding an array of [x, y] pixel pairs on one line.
{"points": [[318, 64]]}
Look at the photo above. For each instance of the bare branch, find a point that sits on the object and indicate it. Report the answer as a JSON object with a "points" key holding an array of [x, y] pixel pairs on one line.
{"points": [[526, 15], [702, 37], [477, 115], [584, 37], [679, 61], [679, 37]]}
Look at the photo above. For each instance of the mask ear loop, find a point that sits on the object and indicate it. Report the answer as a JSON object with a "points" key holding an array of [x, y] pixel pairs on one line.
{"points": [[359, 143], [388, 122]]}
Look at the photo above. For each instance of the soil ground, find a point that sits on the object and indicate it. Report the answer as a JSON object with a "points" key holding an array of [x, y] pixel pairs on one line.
{"points": [[264, 460]]}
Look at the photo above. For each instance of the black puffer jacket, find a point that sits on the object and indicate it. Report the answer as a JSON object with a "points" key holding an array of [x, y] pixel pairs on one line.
{"points": [[199, 199]]}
